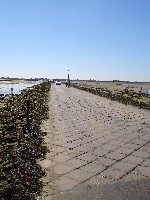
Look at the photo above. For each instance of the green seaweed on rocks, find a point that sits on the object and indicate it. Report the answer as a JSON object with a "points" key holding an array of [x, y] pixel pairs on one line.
{"points": [[22, 143], [125, 96]]}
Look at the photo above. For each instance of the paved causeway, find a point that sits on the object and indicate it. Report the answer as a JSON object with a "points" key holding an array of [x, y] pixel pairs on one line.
{"points": [[98, 149]]}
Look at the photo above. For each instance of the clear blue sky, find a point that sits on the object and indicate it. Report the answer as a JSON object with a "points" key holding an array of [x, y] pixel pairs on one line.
{"points": [[97, 39]]}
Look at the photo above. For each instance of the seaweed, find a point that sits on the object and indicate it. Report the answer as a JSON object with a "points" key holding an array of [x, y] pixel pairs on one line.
{"points": [[125, 96], [22, 145]]}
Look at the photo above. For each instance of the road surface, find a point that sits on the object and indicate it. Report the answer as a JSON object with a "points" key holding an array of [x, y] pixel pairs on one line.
{"points": [[99, 149]]}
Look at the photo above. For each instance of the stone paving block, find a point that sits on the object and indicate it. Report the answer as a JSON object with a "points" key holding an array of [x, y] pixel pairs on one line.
{"points": [[141, 154], [79, 175], [104, 139], [61, 143], [101, 151], [114, 144], [76, 162], [115, 155], [145, 137], [61, 157], [100, 141], [46, 163], [87, 157], [143, 171], [70, 146], [123, 150], [58, 149], [134, 135], [94, 143], [81, 141], [104, 161], [62, 168], [50, 154], [124, 140], [139, 141], [146, 163], [114, 137], [98, 180], [132, 176], [145, 148], [93, 168], [113, 174], [84, 148], [64, 183], [133, 160], [73, 153], [122, 166], [109, 147], [131, 146]]}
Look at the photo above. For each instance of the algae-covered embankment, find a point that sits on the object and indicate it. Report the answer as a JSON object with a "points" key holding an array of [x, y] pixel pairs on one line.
{"points": [[22, 142]]}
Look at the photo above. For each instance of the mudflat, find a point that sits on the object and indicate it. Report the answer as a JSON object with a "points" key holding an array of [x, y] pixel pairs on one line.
{"points": [[98, 148]]}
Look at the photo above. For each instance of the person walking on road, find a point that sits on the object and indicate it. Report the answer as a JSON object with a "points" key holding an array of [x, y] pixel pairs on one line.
{"points": [[69, 83], [66, 83]]}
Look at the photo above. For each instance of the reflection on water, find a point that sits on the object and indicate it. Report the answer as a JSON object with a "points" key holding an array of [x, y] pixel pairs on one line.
{"points": [[6, 88]]}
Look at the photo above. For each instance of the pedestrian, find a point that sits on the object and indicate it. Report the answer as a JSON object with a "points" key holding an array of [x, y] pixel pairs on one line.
{"points": [[66, 83], [69, 83]]}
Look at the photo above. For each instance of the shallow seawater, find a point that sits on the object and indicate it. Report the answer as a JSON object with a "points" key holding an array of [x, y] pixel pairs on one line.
{"points": [[17, 88]]}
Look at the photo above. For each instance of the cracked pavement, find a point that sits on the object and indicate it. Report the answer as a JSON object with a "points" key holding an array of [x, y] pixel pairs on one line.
{"points": [[94, 143]]}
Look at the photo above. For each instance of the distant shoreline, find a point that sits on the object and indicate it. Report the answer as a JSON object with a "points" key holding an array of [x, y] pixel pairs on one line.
{"points": [[18, 82]]}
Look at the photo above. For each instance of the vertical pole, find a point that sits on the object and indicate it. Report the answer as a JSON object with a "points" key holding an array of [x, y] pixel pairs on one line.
{"points": [[68, 79], [12, 114], [28, 112], [11, 91], [68, 76]]}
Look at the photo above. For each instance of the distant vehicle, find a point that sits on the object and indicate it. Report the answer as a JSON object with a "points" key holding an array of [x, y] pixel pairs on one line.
{"points": [[58, 82]]}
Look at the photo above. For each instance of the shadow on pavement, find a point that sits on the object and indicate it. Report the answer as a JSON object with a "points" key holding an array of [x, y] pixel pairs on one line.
{"points": [[127, 190]]}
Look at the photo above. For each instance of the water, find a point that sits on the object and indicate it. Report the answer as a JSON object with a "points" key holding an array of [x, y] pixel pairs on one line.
{"points": [[146, 91], [6, 88]]}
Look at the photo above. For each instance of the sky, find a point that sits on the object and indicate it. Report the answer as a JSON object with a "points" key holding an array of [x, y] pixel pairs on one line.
{"points": [[93, 39]]}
